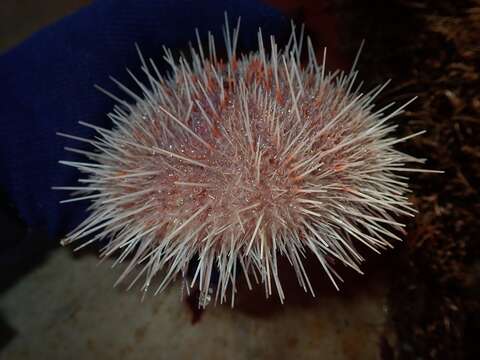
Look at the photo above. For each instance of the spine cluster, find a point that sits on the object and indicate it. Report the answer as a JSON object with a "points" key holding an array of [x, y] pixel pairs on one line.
{"points": [[231, 164]]}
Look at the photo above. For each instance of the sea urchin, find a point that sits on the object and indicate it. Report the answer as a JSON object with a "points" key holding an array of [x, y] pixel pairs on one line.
{"points": [[234, 163]]}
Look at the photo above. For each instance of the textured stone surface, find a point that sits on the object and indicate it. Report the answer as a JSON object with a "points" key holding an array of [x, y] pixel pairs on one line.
{"points": [[67, 309]]}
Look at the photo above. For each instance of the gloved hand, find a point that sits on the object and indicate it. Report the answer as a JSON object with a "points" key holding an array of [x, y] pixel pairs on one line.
{"points": [[47, 86]]}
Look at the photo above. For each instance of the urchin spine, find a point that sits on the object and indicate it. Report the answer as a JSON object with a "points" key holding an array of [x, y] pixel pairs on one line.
{"points": [[236, 163]]}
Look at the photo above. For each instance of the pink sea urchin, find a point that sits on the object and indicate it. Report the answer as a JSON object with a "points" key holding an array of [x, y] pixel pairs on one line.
{"points": [[235, 163]]}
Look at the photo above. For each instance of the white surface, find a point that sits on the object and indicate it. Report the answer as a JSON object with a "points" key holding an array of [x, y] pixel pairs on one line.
{"points": [[67, 309]]}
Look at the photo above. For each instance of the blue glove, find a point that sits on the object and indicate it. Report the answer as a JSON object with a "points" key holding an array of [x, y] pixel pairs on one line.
{"points": [[47, 86]]}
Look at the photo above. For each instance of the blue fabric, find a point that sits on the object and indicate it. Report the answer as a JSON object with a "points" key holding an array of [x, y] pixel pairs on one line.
{"points": [[47, 86]]}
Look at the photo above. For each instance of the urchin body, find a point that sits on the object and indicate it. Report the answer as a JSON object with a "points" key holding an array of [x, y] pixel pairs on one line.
{"points": [[236, 163]]}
